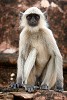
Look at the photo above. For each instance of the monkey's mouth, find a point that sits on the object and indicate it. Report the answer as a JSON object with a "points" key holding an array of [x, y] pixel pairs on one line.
{"points": [[32, 24]]}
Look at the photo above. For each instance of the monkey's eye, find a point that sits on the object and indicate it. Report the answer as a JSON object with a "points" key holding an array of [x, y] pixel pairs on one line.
{"points": [[36, 16], [28, 17]]}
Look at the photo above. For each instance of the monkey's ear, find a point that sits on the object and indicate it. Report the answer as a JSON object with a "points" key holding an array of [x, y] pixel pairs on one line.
{"points": [[45, 14], [20, 15]]}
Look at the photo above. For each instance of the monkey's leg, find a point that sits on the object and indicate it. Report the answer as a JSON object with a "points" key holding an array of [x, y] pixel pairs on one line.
{"points": [[54, 73], [49, 78], [59, 81], [29, 70]]}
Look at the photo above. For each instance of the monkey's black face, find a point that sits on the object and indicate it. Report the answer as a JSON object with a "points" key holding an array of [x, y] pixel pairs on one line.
{"points": [[33, 19]]}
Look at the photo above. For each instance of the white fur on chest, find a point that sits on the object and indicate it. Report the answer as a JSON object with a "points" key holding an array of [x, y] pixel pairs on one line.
{"points": [[42, 51]]}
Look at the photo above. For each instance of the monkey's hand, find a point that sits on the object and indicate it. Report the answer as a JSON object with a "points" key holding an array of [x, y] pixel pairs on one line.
{"points": [[44, 87], [30, 88], [59, 87]]}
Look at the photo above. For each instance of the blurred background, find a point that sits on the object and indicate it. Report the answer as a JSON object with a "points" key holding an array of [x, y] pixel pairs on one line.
{"points": [[9, 33]]}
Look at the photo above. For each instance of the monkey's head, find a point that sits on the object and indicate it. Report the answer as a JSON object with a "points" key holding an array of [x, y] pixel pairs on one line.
{"points": [[32, 18]]}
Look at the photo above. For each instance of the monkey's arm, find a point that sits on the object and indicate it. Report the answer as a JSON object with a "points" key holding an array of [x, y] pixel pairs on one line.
{"points": [[29, 64], [55, 65], [20, 62]]}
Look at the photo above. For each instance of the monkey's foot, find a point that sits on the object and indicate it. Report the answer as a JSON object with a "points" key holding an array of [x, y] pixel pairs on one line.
{"points": [[59, 86], [16, 85], [44, 87], [59, 89], [31, 88]]}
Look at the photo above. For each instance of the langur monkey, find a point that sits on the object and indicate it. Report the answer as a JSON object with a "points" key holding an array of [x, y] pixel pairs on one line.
{"points": [[39, 62]]}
